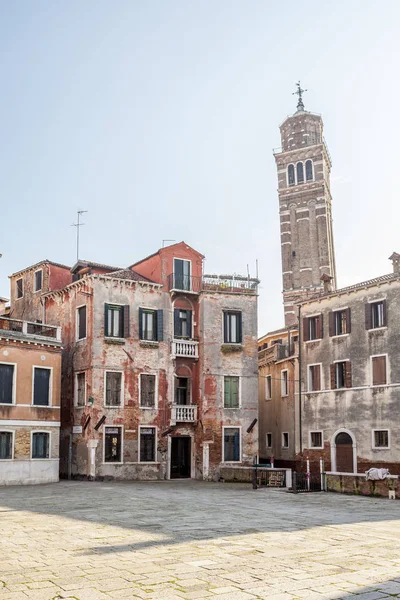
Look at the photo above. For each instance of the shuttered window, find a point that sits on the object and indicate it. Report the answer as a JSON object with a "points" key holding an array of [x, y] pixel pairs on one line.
{"points": [[38, 280], [314, 380], [182, 278], [341, 375], [284, 383], [147, 444], [231, 444], [6, 445], [268, 387], [40, 445], [269, 440], [41, 387], [381, 438], [316, 439], [112, 444], [339, 322], [313, 328], [182, 323], [231, 392], [285, 440], [113, 388], [151, 325], [6, 383], [80, 389], [147, 390], [182, 391], [116, 320], [232, 327], [81, 322], [20, 288], [379, 374], [376, 314]]}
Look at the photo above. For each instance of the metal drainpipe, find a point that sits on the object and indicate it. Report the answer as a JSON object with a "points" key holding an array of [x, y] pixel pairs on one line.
{"points": [[300, 414]]}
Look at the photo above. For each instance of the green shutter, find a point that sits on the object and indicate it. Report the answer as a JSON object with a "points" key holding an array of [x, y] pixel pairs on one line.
{"points": [[105, 320], [227, 392]]}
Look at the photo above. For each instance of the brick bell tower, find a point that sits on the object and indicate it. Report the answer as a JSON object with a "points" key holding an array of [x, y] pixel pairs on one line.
{"points": [[305, 207]]}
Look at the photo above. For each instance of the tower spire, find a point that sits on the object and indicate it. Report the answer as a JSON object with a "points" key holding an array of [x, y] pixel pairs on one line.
{"points": [[299, 92]]}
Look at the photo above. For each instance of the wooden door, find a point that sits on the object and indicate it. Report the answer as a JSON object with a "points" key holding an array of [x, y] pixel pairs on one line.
{"points": [[344, 453]]}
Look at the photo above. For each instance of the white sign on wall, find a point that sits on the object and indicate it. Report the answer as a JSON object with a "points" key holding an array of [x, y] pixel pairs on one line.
{"points": [[77, 429]]}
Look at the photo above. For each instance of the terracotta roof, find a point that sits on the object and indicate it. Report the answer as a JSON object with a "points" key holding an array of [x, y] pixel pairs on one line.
{"points": [[42, 262], [90, 263], [129, 274], [278, 331], [161, 249], [357, 286]]}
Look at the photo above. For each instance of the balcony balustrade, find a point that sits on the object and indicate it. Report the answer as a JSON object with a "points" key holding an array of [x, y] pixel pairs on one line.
{"points": [[29, 328], [185, 348], [184, 413]]}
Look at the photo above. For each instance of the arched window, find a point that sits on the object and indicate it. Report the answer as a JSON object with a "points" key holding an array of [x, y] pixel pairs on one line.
{"points": [[291, 175], [309, 170], [300, 172]]}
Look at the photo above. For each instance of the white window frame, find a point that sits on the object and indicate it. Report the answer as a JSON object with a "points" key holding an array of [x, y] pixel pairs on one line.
{"points": [[239, 391], [153, 310], [322, 439], [238, 311], [266, 439], [14, 384], [191, 272], [335, 362], [372, 371], [240, 444], [283, 439], [376, 301], [309, 317], [268, 396], [40, 431], [113, 337], [122, 398], [309, 378], [336, 310], [287, 175], [285, 395], [12, 431], [304, 172], [16, 288], [50, 404], [76, 390], [34, 281], [121, 462], [78, 339], [190, 388], [373, 439], [148, 462], [155, 407]]}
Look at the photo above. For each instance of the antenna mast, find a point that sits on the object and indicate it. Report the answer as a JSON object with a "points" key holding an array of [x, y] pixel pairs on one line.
{"points": [[78, 225]]}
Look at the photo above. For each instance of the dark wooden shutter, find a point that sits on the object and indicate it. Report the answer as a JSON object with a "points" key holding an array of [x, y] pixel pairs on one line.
{"points": [[177, 323], [126, 320], [41, 387], [317, 377], [320, 327], [140, 323], [225, 327], [385, 320], [82, 322], [240, 328], [306, 332], [379, 370], [332, 323], [348, 320], [105, 320], [368, 316], [347, 377], [6, 384], [189, 322], [160, 325], [333, 376]]}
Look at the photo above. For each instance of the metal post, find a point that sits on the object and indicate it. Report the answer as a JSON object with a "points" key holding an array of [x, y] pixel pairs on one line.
{"points": [[308, 474], [272, 459], [294, 482], [322, 470]]}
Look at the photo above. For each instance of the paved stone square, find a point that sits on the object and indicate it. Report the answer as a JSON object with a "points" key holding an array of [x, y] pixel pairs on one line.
{"points": [[186, 539]]}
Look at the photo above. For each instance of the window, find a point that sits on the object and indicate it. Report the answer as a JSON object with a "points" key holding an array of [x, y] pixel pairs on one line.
{"points": [[231, 392], [376, 314], [182, 391], [38, 280], [231, 444], [20, 288], [6, 445], [81, 322], [41, 386], [113, 388], [40, 444], [6, 384], [182, 323], [182, 279], [291, 180], [269, 440], [339, 322], [80, 389], [112, 444], [309, 170], [314, 378], [285, 440], [116, 321], [379, 372], [232, 327], [300, 172], [316, 439], [150, 325], [313, 328], [147, 444], [147, 390], [341, 375], [268, 387], [381, 438], [284, 383]]}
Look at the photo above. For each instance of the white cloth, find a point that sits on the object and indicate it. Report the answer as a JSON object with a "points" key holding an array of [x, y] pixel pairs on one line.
{"points": [[375, 474]]}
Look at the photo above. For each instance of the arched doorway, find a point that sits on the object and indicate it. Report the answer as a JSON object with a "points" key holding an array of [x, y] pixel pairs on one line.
{"points": [[344, 452]]}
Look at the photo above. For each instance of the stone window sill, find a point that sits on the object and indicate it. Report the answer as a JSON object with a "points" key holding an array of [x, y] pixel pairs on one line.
{"points": [[118, 341], [226, 348]]}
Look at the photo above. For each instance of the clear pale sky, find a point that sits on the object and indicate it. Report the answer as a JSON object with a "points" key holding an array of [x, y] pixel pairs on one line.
{"points": [[159, 118]]}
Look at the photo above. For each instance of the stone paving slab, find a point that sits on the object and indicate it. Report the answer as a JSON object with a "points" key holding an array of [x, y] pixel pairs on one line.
{"points": [[189, 540]]}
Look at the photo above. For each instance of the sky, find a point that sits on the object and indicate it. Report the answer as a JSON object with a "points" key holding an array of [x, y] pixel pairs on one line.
{"points": [[159, 118]]}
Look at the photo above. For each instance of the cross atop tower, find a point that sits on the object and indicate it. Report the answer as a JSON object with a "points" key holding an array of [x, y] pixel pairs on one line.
{"points": [[299, 92]]}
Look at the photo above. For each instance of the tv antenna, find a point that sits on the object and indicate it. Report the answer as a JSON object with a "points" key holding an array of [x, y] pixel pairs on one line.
{"points": [[78, 225]]}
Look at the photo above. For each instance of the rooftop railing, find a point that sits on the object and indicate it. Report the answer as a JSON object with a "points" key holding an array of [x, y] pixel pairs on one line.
{"points": [[218, 283], [30, 328]]}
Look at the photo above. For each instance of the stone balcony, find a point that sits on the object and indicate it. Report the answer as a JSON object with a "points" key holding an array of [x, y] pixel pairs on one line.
{"points": [[185, 349], [184, 413]]}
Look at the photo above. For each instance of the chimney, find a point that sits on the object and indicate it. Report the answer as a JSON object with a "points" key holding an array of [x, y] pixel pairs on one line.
{"points": [[327, 281], [395, 258]]}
